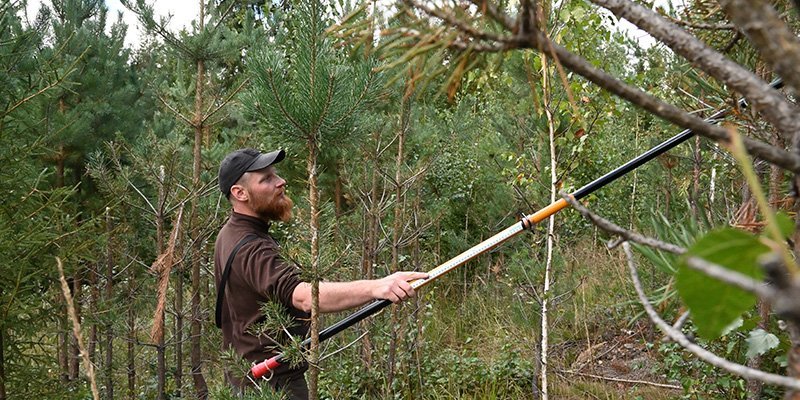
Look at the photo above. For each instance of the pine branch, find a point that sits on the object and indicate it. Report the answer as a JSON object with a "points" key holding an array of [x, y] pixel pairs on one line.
{"points": [[177, 112], [278, 101], [209, 113]]}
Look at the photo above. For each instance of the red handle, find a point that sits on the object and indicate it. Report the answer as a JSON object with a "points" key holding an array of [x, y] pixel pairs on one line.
{"points": [[263, 367]]}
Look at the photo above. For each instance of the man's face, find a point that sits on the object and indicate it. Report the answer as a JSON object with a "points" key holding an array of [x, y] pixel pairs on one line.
{"points": [[267, 195]]}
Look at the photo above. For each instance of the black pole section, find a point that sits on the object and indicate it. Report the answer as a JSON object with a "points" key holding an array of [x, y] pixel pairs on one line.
{"points": [[352, 319], [372, 308], [655, 151]]}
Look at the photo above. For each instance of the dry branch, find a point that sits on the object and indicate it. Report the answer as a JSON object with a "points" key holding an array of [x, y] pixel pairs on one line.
{"points": [[162, 267], [76, 330]]}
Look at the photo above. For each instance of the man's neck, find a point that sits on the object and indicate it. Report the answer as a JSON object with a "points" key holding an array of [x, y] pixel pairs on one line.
{"points": [[241, 209]]}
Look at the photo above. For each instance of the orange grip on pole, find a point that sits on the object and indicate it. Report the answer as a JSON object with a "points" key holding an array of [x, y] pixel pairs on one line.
{"points": [[540, 215]]}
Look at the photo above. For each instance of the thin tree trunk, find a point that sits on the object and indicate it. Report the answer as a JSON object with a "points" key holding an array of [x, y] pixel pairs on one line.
{"points": [[696, 177], [94, 295], [754, 386], [337, 201], [370, 244], [161, 365], [75, 356], [2, 363], [667, 193], [396, 236], [793, 359], [179, 322], [109, 293], [550, 227], [131, 322], [635, 178], [313, 198], [416, 259], [62, 347], [200, 386]]}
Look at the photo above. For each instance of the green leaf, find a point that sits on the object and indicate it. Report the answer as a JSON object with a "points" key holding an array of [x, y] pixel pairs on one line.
{"points": [[785, 224], [715, 304], [760, 342]]}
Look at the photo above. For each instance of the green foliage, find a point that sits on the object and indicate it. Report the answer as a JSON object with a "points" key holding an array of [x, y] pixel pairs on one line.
{"points": [[715, 304], [302, 86], [760, 342]]}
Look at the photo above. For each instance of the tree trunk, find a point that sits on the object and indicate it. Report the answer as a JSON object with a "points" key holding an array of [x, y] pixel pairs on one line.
{"points": [[416, 259], [161, 365], [635, 177], [179, 316], [131, 354], [550, 227], [62, 347], [754, 386], [109, 293], [200, 386], [372, 220], [337, 201], [396, 237], [94, 295], [695, 177], [313, 199], [793, 359], [667, 193], [2, 364], [75, 356]]}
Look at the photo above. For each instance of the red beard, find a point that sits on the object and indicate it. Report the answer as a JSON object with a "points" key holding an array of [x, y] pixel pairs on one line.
{"points": [[279, 209]]}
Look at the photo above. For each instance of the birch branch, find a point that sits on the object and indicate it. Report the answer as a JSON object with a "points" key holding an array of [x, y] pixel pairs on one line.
{"points": [[701, 353]]}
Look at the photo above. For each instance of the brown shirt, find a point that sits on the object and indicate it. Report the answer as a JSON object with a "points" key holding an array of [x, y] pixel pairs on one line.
{"points": [[258, 275]]}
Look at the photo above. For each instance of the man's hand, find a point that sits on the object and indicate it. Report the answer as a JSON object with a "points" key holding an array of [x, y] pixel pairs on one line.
{"points": [[396, 287]]}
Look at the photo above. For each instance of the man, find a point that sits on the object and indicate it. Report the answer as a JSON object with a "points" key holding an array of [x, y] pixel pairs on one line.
{"points": [[258, 274]]}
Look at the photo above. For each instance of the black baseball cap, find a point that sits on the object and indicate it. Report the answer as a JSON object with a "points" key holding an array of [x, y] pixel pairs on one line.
{"points": [[235, 164]]}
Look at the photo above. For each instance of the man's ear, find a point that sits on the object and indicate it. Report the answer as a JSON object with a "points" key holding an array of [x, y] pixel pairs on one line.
{"points": [[239, 193]]}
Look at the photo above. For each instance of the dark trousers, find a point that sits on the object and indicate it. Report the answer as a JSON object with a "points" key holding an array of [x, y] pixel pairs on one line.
{"points": [[293, 387]]}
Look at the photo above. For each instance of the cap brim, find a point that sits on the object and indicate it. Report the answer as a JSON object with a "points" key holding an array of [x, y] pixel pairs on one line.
{"points": [[265, 160]]}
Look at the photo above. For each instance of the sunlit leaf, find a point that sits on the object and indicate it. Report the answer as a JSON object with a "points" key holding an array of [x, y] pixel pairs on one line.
{"points": [[760, 342], [715, 304]]}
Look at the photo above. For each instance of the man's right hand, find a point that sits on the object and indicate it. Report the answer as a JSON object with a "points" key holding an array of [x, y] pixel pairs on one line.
{"points": [[396, 287]]}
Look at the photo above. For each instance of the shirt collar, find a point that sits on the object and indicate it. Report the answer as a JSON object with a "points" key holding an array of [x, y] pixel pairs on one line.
{"points": [[250, 221]]}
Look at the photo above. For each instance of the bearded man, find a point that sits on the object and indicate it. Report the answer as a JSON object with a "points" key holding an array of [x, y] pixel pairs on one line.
{"points": [[249, 270]]}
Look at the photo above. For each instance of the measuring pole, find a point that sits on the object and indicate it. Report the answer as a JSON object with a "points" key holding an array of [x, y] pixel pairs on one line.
{"points": [[529, 221]]}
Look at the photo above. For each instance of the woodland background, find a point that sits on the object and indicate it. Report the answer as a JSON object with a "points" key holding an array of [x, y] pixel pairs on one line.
{"points": [[414, 130]]}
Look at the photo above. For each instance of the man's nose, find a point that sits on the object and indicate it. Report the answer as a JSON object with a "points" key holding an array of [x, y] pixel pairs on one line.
{"points": [[281, 182]]}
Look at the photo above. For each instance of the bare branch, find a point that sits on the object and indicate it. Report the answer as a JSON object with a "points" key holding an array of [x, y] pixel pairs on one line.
{"points": [[768, 33], [702, 25], [630, 381], [657, 106], [459, 24], [610, 227], [176, 112], [495, 14], [225, 102], [767, 100], [698, 351]]}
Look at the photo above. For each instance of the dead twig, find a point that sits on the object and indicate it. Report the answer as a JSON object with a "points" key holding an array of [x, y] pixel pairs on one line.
{"points": [[76, 330]]}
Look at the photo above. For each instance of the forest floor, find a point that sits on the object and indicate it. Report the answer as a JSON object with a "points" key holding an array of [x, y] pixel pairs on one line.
{"points": [[617, 365]]}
